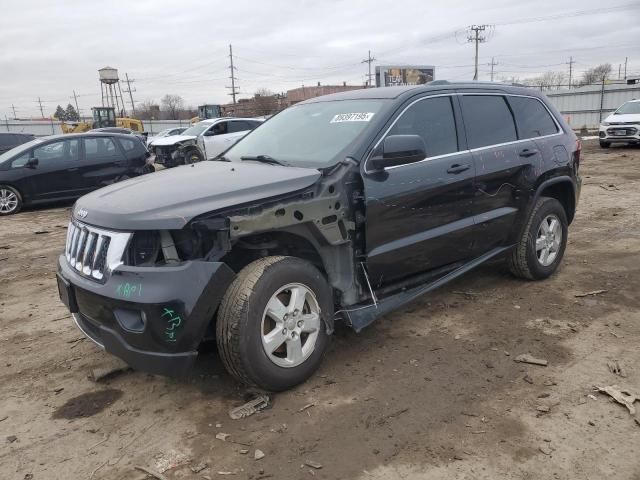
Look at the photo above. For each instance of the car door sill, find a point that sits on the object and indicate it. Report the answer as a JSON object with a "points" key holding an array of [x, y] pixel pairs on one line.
{"points": [[360, 316]]}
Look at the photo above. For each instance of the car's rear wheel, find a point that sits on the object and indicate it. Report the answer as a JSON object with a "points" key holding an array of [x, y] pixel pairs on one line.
{"points": [[542, 243], [605, 144], [10, 200], [271, 329]]}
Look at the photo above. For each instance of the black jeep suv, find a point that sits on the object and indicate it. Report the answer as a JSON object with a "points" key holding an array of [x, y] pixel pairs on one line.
{"points": [[343, 207]]}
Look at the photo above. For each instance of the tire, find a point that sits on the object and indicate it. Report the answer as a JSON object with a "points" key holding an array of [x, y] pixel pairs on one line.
{"points": [[193, 156], [243, 323], [528, 261], [605, 144], [10, 200]]}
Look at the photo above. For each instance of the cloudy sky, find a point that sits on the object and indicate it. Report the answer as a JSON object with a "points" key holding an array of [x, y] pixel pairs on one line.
{"points": [[50, 48]]}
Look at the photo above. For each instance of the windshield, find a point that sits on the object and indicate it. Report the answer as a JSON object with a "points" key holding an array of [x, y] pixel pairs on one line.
{"points": [[197, 129], [162, 133], [311, 135], [19, 149], [628, 108]]}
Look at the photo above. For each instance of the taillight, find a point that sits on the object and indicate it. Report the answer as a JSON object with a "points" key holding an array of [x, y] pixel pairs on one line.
{"points": [[576, 154]]}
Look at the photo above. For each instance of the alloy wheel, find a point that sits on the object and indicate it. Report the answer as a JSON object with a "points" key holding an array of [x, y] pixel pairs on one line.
{"points": [[290, 325], [548, 240], [8, 201]]}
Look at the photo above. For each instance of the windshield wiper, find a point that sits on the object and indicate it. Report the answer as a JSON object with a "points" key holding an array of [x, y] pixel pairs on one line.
{"points": [[221, 158], [263, 159]]}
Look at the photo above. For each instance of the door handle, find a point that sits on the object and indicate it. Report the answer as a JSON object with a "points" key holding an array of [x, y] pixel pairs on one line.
{"points": [[75, 169], [457, 168], [528, 152]]}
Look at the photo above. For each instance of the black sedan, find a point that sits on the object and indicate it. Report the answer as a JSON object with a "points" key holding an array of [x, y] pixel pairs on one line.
{"points": [[62, 167]]}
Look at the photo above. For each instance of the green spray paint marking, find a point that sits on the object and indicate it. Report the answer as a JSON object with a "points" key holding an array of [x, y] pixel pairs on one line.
{"points": [[174, 321], [128, 290]]}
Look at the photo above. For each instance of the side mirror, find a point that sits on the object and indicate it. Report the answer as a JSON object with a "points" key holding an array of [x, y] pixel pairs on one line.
{"points": [[209, 133], [399, 150], [32, 163]]}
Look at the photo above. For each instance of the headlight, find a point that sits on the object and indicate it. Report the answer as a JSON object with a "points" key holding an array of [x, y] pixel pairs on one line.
{"points": [[144, 248], [605, 124]]}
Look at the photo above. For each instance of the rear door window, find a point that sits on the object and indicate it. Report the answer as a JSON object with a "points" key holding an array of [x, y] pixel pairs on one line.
{"points": [[433, 120], [238, 126], [532, 118], [487, 120]]}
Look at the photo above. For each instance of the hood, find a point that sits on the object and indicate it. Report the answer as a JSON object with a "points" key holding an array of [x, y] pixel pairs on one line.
{"points": [[169, 199], [629, 117], [172, 140]]}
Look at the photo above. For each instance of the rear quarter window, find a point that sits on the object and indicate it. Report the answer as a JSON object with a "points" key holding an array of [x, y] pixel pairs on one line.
{"points": [[487, 120], [532, 118]]}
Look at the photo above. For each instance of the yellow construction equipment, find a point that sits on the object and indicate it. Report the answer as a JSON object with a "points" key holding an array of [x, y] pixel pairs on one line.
{"points": [[103, 117]]}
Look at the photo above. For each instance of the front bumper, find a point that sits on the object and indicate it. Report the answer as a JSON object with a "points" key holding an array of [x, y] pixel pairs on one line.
{"points": [[152, 318], [619, 133]]}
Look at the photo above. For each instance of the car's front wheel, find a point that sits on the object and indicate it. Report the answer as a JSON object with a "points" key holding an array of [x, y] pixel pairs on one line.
{"points": [[193, 156], [271, 329], [542, 242], [10, 200]]}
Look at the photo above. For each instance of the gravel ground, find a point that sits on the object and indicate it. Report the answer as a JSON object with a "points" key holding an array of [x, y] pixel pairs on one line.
{"points": [[431, 391]]}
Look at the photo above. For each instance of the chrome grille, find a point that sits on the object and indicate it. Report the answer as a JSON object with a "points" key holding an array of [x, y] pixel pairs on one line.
{"points": [[94, 252]]}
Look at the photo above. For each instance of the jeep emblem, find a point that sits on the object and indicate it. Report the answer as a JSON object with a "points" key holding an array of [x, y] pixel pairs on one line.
{"points": [[82, 213]]}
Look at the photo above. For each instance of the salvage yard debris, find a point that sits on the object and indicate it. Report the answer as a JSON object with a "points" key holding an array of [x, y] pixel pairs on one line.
{"points": [[148, 471], [616, 368], [591, 293], [623, 397], [526, 358], [251, 407]]}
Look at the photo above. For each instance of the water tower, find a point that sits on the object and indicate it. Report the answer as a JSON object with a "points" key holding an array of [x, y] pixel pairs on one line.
{"points": [[111, 90]]}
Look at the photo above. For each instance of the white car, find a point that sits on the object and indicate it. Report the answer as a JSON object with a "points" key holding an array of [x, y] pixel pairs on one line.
{"points": [[167, 132], [622, 126], [203, 141]]}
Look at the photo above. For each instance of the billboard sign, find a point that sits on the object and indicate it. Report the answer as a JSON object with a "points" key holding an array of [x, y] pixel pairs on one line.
{"points": [[397, 75]]}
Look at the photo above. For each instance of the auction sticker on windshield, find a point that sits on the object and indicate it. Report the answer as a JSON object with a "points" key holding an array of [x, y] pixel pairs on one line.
{"points": [[352, 117]]}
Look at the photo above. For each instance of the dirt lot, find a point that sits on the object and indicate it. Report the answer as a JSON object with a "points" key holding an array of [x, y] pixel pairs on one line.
{"points": [[431, 391]]}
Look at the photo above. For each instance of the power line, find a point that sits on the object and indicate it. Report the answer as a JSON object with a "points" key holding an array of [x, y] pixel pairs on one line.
{"points": [[369, 60], [477, 39]]}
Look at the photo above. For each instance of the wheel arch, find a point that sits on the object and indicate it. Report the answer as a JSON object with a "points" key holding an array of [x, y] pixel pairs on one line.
{"points": [[563, 190]]}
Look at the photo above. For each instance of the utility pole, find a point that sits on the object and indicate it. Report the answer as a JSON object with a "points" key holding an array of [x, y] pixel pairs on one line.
{"points": [[570, 63], [477, 38], [75, 98], [369, 60], [234, 89], [492, 64], [626, 59], [15, 117], [619, 69], [41, 110], [129, 91]]}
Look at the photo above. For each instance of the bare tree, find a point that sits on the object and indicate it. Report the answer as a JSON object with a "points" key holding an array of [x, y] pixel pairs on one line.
{"points": [[596, 74], [172, 104], [548, 80], [265, 102], [148, 110]]}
